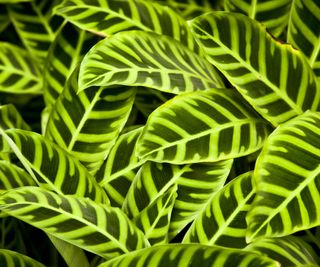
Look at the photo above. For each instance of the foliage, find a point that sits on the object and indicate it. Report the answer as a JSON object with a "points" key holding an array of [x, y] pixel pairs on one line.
{"points": [[159, 133]]}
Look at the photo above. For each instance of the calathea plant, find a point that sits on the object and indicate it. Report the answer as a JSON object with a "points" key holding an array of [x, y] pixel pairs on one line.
{"points": [[172, 133]]}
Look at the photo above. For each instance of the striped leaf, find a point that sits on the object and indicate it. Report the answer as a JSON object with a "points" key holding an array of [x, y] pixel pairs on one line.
{"points": [[33, 28], [11, 176], [287, 176], [11, 235], [154, 220], [289, 251], [273, 77], [12, 258], [223, 221], [304, 30], [41, 158], [111, 16], [19, 73], [196, 186], [192, 255], [95, 227], [137, 58], [274, 14], [64, 54], [118, 171], [4, 17], [87, 124], [202, 127]]}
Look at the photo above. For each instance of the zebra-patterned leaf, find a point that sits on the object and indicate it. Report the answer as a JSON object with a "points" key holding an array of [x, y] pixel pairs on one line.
{"points": [[138, 58], [95, 227], [12, 258], [287, 175], [202, 127], [32, 27], [87, 124], [304, 30], [111, 16], [64, 54], [11, 234], [11, 176], [118, 171], [4, 17], [274, 14], [223, 221], [154, 220], [190, 255], [11, 118], [52, 167], [290, 251], [311, 237], [19, 72], [273, 77]]}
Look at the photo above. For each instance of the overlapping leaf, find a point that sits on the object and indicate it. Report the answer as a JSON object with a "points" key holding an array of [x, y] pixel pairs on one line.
{"points": [[223, 222], [273, 77], [287, 175], [95, 227], [181, 255], [4, 17], [202, 127], [137, 58], [86, 124], [19, 72], [304, 30], [111, 16], [11, 234], [51, 166], [154, 220], [273, 14], [12, 258], [289, 251], [64, 54], [118, 171]]}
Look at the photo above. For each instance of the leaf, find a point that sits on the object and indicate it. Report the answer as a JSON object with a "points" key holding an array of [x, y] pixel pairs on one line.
{"points": [[66, 51], [191, 255], [95, 227], [41, 159], [13, 1], [289, 251], [87, 124], [11, 235], [11, 118], [287, 177], [11, 176], [223, 222], [304, 31], [202, 127], [137, 58], [154, 220], [118, 171], [111, 16], [12, 258], [273, 77], [273, 14], [19, 72], [4, 17]]}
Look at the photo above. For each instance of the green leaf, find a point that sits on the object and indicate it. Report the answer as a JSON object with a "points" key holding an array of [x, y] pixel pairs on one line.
{"points": [[273, 14], [111, 16], [87, 124], [95, 227], [202, 127], [304, 30], [66, 51], [287, 177], [4, 17], [33, 28], [41, 159], [191, 255], [154, 220], [137, 58], [289, 251], [11, 176], [273, 77], [13, 1], [118, 171], [223, 222], [19, 73], [12, 258], [11, 118]]}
